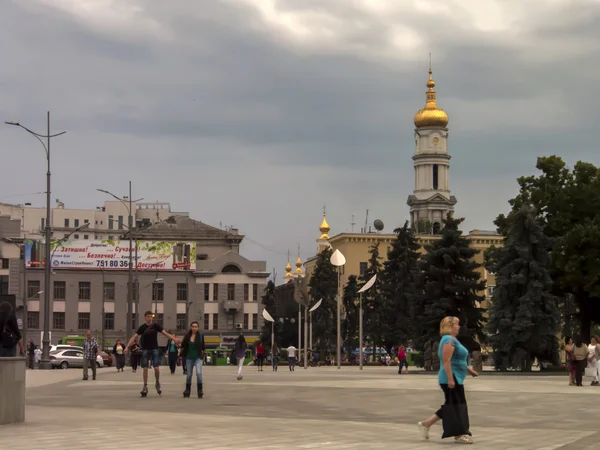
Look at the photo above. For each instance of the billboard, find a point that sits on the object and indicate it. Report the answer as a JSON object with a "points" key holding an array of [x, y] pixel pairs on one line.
{"points": [[112, 255]]}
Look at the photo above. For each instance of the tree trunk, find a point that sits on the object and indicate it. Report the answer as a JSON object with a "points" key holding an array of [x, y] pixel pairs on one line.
{"points": [[585, 327]]}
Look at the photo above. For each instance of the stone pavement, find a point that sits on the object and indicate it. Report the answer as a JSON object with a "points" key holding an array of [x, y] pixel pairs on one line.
{"points": [[315, 409]]}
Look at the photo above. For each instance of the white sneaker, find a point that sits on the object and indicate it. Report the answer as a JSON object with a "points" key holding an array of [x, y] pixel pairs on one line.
{"points": [[464, 439], [423, 430]]}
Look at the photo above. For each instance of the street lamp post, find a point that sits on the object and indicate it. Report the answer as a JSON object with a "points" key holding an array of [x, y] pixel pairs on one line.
{"points": [[338, 260], [130, 227], [269, 318], [45, 362], [103, 310], [311, 310], [368, 285]]}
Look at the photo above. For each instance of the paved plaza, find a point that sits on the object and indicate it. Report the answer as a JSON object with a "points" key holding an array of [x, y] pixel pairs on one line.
{"points": [[308, 409]]}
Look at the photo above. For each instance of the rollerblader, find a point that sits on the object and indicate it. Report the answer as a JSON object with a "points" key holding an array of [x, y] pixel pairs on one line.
{"points": [[148, 334], [192, 355]]}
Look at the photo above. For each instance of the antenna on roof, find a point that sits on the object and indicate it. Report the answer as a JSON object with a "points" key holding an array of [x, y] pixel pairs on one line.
{"points": [[353, 223]]}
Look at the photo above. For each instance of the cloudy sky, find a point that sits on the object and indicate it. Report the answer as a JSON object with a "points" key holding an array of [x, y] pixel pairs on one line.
{"points": [[254, 113]]}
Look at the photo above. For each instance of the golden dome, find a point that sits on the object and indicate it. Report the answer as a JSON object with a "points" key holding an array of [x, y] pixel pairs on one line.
{"points": [[324, 228], [431, 115], [298, 270]]}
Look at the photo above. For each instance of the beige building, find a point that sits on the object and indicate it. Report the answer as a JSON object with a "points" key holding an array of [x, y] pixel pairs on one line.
{"points": [[430, 202]]}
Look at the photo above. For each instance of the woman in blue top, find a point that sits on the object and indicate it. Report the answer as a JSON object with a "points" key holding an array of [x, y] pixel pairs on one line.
{"points": [[453, 371]]}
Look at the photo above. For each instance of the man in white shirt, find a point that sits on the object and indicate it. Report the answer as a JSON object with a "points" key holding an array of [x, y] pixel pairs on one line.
{"points": [[291, 351]]}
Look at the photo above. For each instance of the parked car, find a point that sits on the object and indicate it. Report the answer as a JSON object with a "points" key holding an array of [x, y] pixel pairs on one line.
{"points": [[107, 359], [70, 357]]}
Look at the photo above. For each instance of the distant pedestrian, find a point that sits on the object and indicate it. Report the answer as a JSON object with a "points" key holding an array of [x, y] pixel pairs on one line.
{"points": [[172, 355], [37, 355], [594, 359], [570, 359], [402, 361], [90, 353], [451, 377], [10, 336], [580, 350], [239, 351], [291, 351], [477, 359], [275, 357], [31, 354], [119, 355], [192, 355], [260, 356], [134, 356]]}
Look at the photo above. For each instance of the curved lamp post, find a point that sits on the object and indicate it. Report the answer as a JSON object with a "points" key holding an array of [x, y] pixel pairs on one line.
{"points": [[45, 362], [338, 260], [311, 310], [269, 318], [368, 285]]}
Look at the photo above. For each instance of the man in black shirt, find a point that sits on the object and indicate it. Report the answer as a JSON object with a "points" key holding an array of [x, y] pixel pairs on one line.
{"points": [[148, 333]]}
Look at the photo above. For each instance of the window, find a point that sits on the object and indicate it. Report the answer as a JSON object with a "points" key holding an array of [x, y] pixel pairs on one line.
{"points": [[206, 292], [181, 322], [86, 221], [215, 321], [230, 318], [158, 292], [246, 321], [110, 223], [75, 236], [206, 321], [83, 321], [246, 292], [76, 222], [58, 320], [109, 291], [4, 285], [33, 287], [231, 268], [231, 291], [215, 292], [60, 290], [111, 238], [255, 291], [182, 292], [85, 290], [120, 222], [490, 290], [86, 236], [67, 223], [363, 268], [33, 320], [5, 263], [435, 176], [254, 321], [109, 321], [159, 319]]}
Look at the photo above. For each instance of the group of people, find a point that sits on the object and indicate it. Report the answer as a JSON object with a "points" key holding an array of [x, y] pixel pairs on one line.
{"points": [[583, 359]]}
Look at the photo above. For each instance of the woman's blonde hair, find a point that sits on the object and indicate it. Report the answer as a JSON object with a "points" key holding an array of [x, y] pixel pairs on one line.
{"points": [[596, 338], [446, 325]]}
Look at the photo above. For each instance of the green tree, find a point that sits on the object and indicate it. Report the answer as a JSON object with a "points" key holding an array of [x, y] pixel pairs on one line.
{"points": [[524, 317], [323, 285], [373, 300], [450, 286], [269, 301], [351, 313], [399, 282], [568, 208]]}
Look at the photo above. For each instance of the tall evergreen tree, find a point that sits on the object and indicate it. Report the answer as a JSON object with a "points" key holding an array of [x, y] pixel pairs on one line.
{"points": [[450, 286], [323, 285], [351, 313], [269, 302], [373, 299], [524, 317], [399, 282]]}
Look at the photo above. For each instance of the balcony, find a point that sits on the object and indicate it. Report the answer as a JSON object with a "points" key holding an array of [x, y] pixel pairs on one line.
{"points": [[233, 305]]}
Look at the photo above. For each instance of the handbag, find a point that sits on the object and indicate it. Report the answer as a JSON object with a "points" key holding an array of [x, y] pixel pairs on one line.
{"points": [[233, 358], [455, 418], [591, 372]]}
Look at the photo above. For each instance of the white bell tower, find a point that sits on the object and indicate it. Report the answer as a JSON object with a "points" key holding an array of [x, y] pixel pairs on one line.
{"points": [[431, 201]]}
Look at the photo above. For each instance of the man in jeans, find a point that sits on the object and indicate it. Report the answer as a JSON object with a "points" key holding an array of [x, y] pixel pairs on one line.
{"points": [[291, 351], [148, 333], [90, 353]]}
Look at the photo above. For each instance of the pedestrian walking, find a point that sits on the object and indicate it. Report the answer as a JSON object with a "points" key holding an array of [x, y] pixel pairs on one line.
{"points": [[580, 350], [10, 336], [402, 361], [453, 356], [31, 354], [275, 357], [239, 353], [192, 355], [119, 355], [570, 358], [291, 351], [594, 360], [90, 353], [173, 355], [134, 357], [148, 334], [260, 356]]}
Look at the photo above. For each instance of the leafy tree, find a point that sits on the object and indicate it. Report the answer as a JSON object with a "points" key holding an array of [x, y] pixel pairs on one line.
{"points": [[323, 285], [568, 208], [450, 286], [269, 301], [352, 317], [524, 318], [399, 282], [373, 300]]}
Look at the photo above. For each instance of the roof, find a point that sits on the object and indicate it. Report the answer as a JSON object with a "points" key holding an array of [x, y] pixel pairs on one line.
{"points": [[182, 227]]}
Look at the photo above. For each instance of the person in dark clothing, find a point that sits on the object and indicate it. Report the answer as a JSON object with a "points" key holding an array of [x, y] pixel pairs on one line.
{"points": [[192, 355], [31, 354], [10, 336], [119, 355], [148, 334], [173, 355], [134, 358]]}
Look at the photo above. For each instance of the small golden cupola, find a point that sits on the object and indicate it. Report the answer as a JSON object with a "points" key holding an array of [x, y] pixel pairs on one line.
{"points": [[288, 270], [299, 272], [324, 228], [431, 115]]}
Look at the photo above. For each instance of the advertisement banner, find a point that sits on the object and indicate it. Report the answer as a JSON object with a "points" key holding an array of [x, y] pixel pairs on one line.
{"points": [[113, 255]]}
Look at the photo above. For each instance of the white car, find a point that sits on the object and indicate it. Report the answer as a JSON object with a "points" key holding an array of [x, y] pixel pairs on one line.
{"points": [[62, 347]]}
